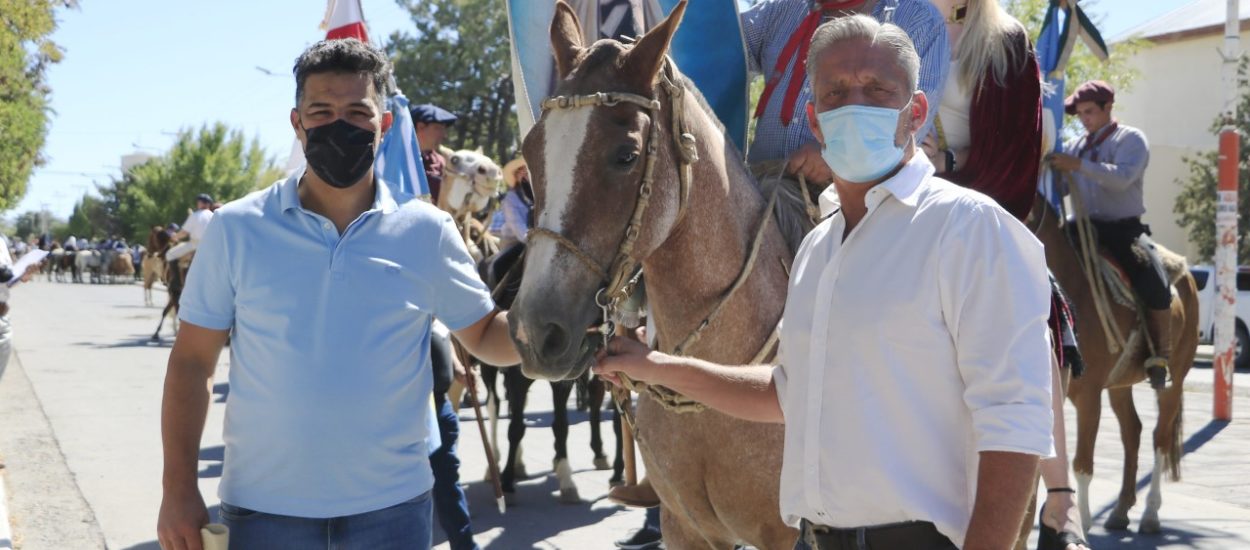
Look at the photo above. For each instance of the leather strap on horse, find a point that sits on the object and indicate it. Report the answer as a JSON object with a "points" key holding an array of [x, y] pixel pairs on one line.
{"points": [[1088, 254]]}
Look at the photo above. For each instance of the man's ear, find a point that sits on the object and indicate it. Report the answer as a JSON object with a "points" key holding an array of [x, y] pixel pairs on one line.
{"points": [[295, 125], [919, 110], [388, 119], [814, 124]]}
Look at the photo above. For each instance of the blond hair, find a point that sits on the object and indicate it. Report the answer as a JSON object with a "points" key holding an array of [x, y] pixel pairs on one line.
{"points": [[986, 45]]}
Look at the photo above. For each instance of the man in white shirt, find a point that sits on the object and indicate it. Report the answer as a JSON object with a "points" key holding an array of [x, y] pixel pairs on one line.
{"points": [[914, 381], [193, 229]]}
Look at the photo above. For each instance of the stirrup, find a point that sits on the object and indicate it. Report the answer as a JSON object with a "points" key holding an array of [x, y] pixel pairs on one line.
{"points": [[1157, 372]]}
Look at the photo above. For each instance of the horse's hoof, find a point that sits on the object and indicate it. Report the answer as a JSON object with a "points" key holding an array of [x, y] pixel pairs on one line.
{"points": [[601, 463], [1116, 523], [616, 482], [155, 338], [1150, 526], [568, 495]]}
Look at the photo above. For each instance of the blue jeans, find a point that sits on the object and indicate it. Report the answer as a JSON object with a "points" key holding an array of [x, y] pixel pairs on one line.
{"points": [[449, 499], [403, 526]]}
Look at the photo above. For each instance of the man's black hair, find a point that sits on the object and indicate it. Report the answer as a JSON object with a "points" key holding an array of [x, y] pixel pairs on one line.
{"points": [[349, 56]]}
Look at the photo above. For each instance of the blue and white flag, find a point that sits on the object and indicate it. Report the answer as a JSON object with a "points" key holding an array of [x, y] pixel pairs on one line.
{"points": [[399, 158]]}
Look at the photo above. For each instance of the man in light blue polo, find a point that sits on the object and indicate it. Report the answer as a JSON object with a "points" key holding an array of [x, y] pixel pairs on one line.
{"points": [[327, 283]]}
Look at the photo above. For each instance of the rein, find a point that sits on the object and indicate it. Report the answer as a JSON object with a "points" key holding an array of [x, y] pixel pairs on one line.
{"points": [[621, 277]]}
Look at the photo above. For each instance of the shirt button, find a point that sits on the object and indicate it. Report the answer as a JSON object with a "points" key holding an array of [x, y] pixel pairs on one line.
{"points": [[327, 226]]}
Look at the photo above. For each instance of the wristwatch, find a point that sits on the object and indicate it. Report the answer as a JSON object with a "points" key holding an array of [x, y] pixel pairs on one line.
{"points": [[950, 161]]}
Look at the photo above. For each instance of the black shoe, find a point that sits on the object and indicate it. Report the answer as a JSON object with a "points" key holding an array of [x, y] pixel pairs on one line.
{"points": [[642, 539], [1050, 539]]}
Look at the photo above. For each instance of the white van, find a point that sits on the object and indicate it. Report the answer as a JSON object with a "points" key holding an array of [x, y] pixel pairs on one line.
{"points": [[1204, 276]]}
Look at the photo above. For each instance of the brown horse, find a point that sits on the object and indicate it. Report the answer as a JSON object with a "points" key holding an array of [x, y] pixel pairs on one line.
{"points": [[627, 120], [1119, 371], [153, 265]]}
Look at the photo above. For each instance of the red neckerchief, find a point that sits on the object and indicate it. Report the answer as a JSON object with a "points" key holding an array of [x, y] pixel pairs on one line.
{"points": [[799, 43], [1092, 143]]}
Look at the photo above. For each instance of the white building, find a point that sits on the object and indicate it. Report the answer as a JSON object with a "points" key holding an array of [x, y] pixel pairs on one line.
{"points": [[1175, 100]]}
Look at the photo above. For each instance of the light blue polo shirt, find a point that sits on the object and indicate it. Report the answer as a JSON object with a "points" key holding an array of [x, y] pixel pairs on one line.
{"points": [[330, 376]]}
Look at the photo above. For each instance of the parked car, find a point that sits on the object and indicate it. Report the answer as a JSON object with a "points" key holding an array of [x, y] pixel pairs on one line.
{"points": [[1204, 276]]}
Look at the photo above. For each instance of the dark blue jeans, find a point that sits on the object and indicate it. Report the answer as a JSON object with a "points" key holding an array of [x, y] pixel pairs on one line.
{"points": [[449, 499], [403, 526]]}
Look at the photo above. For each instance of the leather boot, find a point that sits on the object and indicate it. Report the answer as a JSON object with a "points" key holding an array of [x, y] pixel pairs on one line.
{"points": [[641, 495], [1159, 323]]}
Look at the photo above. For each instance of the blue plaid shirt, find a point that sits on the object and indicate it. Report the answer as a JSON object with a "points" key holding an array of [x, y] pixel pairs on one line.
{"points": [[769, 24]]}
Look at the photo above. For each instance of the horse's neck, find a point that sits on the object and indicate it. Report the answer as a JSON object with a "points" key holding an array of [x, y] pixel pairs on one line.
{"points": [[694, 268], [1063, 258]]}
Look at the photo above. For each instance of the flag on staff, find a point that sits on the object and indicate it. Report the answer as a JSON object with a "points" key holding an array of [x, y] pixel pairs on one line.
{"points": [[1054, 47], [344, 19]]}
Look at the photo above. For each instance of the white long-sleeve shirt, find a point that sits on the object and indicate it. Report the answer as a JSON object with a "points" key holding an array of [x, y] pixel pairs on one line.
{"points": [[908, 348]]}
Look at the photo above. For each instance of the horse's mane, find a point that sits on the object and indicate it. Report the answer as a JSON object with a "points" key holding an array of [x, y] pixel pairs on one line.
{"points": [[790, 210]]}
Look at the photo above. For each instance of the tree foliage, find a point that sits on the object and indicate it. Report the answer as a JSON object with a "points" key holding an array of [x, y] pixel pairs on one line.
{"points": [[1195, 205], [26, 52], [213, 160], [458, 59]]}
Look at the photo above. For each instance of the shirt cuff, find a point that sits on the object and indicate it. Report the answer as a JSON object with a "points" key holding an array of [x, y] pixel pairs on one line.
{"points": [[474, 314], [1015, 428], [206, 320]]}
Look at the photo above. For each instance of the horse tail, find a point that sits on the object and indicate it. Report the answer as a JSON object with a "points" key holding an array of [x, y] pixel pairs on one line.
{"points": [[1175, 445]]}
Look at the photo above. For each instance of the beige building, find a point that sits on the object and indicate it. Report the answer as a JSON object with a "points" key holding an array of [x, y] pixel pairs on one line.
{"points": [[1175, 100]]}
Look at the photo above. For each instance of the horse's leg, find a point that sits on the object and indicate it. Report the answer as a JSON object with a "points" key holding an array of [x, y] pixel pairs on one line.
{"points": [[517, 388], [596, 392], [560, 428], [1130, 437], [164, 312], [1168, 452], [618, 461], [1088, 402]]}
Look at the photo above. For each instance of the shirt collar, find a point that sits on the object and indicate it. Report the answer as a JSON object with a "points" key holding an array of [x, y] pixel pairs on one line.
{"points": [[904, 185], [288, 194]]}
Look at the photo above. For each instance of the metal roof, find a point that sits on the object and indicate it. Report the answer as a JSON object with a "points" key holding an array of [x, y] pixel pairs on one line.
{"points": [[1196, 17]]}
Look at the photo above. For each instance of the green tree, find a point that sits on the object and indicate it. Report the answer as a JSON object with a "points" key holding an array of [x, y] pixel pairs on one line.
{"points": [[27, 224], [458, 59], [92, 219], [213, 160], [1195, 205], [25, 54]]}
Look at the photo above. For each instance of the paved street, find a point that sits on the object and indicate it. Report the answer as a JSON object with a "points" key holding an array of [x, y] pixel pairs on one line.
{"points": [[80, 444]]}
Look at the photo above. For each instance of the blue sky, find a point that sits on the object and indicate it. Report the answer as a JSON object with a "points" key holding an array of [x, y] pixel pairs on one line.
{"points": [[136, 71]]}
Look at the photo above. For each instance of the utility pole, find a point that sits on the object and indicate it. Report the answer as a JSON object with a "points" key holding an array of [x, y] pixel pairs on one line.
{"points": [[1226, 241]]}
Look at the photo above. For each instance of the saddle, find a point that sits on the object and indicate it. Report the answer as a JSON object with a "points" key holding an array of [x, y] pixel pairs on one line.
{"points": [[1169, 266]]}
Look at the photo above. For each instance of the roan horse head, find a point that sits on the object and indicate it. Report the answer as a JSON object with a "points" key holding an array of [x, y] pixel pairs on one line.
{"points": [[470, 180], [608, 130]]}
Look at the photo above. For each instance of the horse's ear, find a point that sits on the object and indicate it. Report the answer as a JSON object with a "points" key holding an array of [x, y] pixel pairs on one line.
{"points": [[647, 56], [479, 150], [566, 38]]}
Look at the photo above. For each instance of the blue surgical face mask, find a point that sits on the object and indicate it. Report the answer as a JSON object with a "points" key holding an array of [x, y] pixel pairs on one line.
{"points": [[859, 141]]}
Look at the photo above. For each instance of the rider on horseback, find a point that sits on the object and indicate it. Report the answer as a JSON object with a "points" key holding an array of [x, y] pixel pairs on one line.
{"points": [[192, 230], [1106, 167]]}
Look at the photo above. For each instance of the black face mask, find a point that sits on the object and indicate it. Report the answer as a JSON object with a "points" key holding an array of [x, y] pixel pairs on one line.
{"points": [[340, 153]]}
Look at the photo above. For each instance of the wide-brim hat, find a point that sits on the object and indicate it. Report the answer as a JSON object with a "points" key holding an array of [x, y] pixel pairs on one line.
{"points": [[509, 170]]}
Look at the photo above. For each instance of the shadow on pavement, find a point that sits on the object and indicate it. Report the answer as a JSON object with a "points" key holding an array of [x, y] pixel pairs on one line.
{"points": [[153, 545], [217, 455], [534, 513], [222, 391], [134, 341], [1176, 534]]}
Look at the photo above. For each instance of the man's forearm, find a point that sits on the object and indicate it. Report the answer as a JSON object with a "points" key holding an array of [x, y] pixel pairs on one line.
{"points": [[183, 411], [496, 347], [743, 392], [1005, 482]]}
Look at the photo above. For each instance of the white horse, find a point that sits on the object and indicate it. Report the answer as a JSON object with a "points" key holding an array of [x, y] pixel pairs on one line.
{"points": [[470, 181], [88, 263]]}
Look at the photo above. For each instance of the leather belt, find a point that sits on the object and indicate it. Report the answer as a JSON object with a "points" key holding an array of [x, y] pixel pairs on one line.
{"points": [[912, 535]]}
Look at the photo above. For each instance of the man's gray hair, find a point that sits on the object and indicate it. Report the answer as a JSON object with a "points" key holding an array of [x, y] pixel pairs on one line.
{"points": [[864, 27]]}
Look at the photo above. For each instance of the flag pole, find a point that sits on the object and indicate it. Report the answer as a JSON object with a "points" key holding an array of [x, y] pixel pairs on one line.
{"points": [[1226, 241]]}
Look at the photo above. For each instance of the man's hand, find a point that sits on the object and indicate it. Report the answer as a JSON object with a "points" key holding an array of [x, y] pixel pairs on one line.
{"points": [[807, 162], [630, 356], [931, 150], [1063, 162], [182, 515], [458, 371]]}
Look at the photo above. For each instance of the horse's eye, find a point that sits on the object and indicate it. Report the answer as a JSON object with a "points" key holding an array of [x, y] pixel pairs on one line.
{"points": [[455, 160], [626, 158], [481, 170]]}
